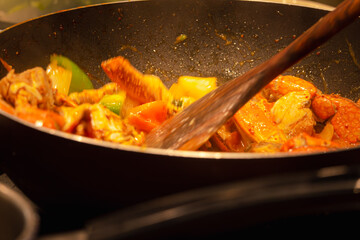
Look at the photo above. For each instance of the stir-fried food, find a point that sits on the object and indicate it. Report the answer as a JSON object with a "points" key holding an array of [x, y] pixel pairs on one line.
{"points": [[288, 115]]}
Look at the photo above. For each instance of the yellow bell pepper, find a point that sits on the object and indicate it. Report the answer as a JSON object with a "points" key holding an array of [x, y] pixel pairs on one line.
{"points": [[194, 87]]}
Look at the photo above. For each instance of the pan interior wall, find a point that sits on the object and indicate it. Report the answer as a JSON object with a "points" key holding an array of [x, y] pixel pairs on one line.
{"points": [[223, 39]]}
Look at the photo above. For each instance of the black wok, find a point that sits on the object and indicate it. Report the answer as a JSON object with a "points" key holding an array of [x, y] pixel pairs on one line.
{"points": [[69, 173]]}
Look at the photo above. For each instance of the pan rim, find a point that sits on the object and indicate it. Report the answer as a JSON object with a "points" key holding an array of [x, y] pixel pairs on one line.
{"points": [[298, 3], [169, 152]]}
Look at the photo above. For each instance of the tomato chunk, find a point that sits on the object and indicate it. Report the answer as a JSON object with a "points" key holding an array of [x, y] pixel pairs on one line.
{"points": [[148, 116]]}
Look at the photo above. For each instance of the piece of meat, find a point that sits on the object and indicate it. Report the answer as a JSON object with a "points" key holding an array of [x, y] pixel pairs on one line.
{"points": [[292, 113], [342, 113], [94, 95], [140, 87], [255, 123], [306, 143], [31, 87], [346, 120], [323, 107], [283, 85], [96, 121]]}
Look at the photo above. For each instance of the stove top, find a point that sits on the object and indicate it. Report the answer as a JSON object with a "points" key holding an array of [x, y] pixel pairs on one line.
{"points": [[308, 222]]}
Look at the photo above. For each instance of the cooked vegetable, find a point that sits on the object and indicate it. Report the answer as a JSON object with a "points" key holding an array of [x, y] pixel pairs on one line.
{"points": [[60, 77], [194, 87], [148, 116], [114, 102], [288, 115], [79, 80], [180, 38]]}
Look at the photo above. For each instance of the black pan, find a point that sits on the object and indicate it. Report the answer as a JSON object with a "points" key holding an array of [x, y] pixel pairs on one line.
{"points": [[61, 171]]}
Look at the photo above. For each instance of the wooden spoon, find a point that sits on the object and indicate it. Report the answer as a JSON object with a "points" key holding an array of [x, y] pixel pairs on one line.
{"points": [[193, 126]]}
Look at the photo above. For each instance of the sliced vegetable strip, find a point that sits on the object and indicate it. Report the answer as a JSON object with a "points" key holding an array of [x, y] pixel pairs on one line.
{"points": [[79, 80], [60, 77], [148, 116]]}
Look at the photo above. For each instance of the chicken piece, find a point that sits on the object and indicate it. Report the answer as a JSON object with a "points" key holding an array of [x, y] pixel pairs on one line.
{"points": [[256, 125], [343, 114], [96, 121], [322, 107], [283, 85], [94, 95], [346, 120], [142, 88], [40, 117], [306, 143], [292, 113], [29, 96], [64, 100], [32, 87]]}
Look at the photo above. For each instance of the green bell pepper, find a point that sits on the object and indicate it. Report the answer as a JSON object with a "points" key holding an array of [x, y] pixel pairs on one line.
{"points": [[79, 80], [114, 102]]}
